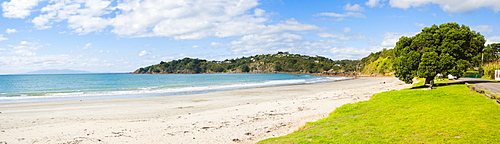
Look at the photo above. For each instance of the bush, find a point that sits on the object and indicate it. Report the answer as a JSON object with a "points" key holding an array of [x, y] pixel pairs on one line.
{"points": [[489, 68]]}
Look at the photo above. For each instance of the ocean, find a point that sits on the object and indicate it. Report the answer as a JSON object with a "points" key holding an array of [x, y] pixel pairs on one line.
{"points": [[57, 87]]}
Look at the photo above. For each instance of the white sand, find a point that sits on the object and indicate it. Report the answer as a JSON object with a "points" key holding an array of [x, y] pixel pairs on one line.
{"points": [[240, 116]]}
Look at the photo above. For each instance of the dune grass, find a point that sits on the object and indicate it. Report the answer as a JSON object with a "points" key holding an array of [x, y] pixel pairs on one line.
{"points": [[446, 114]]}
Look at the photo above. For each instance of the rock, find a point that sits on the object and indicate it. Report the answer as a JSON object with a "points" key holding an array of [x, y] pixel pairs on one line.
{"points": [[117, 132], [488, 95], [236, 139], [300, 108], [479, 91]]}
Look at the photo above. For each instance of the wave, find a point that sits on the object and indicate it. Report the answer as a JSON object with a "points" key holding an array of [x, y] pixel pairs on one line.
{"points": [[158, 91]]}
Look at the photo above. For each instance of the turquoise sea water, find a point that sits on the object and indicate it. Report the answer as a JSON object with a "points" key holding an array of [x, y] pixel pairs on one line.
{"points": [[48, 87]]}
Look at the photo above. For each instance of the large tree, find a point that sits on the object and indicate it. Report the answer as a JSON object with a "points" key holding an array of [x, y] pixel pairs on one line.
{"points": [[446, 49]]}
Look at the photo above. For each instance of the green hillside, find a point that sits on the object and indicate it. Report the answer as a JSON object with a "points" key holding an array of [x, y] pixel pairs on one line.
{"points": [[280, 62], [379, 63]]}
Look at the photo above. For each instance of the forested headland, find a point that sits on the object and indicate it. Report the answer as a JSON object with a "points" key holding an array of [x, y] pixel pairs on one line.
{"points": [[268, 63]]}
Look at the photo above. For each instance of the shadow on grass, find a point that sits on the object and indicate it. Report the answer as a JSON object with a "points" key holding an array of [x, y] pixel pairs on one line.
{"points": [[461, 81]]}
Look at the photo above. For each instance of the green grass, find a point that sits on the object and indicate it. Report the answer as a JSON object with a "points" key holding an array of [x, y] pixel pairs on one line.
{"points": [[446, 114], [421, 82]]}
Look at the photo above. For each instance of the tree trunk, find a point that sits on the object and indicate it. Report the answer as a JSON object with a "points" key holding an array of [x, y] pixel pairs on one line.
{"points": [[429, 81]]}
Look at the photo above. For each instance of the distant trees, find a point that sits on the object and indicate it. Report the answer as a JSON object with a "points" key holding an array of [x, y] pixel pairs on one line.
{"points": [[491, 53], [447, 49], [280, 62]]}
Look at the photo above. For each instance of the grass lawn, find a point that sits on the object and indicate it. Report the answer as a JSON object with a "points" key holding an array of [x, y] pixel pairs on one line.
{"points": [[446, 114]]}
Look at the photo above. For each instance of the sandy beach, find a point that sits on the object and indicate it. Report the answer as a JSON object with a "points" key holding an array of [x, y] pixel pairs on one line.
{"points": [[239, 116]]}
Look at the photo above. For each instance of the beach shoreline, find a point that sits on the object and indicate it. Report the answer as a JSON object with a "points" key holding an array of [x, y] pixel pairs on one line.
{"points": [[239, 116]]}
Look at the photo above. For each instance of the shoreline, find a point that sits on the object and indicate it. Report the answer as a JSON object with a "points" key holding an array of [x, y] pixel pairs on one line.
{"points": [[239, 116], [160, 92]]}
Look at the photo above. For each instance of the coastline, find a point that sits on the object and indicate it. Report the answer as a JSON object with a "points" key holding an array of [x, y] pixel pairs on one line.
{"points": [[239, 116], [137, 86]]}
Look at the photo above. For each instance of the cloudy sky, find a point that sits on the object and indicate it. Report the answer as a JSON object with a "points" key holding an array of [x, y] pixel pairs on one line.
{"points": [[123, 35]]}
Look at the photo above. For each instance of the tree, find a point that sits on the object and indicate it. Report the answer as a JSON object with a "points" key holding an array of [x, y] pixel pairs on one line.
{"points": [[491, 53], [447, 49], [245, 68]]}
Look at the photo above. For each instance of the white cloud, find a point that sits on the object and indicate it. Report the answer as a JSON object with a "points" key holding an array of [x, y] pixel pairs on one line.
{"points": [[391, 38], [288, 25], [482, 28], [267, 43], [9, 31], [340, 36], [2, 38], [347, 14], [25, 48], [18, 8], [181, 19], [215, 44], [87, 46], [187, 19], [259, 12], [453, 6], [341, 53], [420, 24], [143, 53], [373, 3], [355, 7], [272, 43], [24, 52], [493, 39], [347, 29], [21, 64]]}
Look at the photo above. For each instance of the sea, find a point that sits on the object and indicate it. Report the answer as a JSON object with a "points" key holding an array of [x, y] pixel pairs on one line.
{"points": [[59, 87]]}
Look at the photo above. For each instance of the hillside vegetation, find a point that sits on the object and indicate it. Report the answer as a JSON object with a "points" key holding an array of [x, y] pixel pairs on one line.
{"points": [[280, 62], [379, 63], [489, 69]]}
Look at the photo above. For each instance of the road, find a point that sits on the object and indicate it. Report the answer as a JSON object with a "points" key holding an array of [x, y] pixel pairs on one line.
{"points": [[487, 85]]}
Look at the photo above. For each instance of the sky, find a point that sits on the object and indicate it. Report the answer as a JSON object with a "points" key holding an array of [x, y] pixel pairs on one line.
{"points": [[120, 36]]}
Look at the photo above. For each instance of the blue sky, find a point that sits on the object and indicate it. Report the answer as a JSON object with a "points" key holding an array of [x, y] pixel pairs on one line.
{"points": [[121, 36]]}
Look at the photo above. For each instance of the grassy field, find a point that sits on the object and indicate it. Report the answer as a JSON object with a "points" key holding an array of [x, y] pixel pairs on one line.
{"points": [[446, 114]]}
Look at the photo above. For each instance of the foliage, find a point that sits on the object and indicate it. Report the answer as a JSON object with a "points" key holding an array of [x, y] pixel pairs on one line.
{"points": [[489, 68], [280, 62], [446, 49], [491, 53], [471, 72], [379, 63], [448, 114]]}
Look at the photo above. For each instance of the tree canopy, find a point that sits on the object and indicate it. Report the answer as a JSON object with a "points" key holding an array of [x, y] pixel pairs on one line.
{"points": [[449, 48], [491, 53], [280, 62]]}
